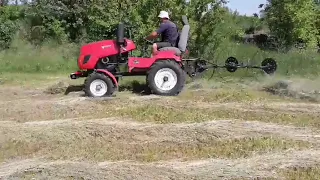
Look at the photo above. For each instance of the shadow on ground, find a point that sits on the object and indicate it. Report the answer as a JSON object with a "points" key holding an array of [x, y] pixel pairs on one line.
{"points": [[73, 88], [135, 87], [63, 88]]}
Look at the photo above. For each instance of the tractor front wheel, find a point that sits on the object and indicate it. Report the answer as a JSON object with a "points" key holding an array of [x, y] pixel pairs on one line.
{"points": [[166, 78], [98, 85]]}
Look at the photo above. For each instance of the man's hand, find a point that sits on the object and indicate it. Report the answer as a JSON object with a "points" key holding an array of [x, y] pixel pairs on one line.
{"points": [[153, 35]]}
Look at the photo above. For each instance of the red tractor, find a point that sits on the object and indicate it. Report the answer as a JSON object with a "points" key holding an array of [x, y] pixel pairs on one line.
{"points": [[165, 72]]}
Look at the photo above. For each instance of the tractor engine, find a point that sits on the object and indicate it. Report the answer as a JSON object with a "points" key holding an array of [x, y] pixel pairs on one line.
{"points": [[110, 62], [106, 54]]}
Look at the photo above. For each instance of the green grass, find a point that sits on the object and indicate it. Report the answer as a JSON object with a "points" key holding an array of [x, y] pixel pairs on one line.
{"points": [[31, 79], [23, 57]]}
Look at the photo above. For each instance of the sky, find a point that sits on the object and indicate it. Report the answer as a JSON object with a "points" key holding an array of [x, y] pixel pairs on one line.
{"points": [[247, 7]]}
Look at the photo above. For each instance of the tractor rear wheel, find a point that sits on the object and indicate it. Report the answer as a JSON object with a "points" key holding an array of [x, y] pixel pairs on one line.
{"points": [[98, 85], [166, 78]]}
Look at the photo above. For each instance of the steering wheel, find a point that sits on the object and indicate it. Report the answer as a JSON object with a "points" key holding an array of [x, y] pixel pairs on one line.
{"points": [[148, 41], [146, 46]]}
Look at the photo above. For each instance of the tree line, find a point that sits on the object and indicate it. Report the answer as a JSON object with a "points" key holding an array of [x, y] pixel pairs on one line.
{"points": [[81, 21]]}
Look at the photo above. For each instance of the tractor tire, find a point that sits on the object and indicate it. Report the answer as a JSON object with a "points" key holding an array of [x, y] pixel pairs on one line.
{"points": [[169, 72], [105, 84]]}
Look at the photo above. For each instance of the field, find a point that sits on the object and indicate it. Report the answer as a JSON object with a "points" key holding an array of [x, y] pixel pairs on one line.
{"points": [[225, 128], [242, 125]]}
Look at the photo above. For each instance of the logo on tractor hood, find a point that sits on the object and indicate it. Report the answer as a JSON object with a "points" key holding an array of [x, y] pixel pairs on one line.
{"points": [[106, 46]]}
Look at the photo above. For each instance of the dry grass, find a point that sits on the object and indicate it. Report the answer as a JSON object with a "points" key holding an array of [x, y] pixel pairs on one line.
{"points": [[99, 148], [160, 110], [295, 173], [223, 95], [169, 128], [172, 114], [305, 173]]}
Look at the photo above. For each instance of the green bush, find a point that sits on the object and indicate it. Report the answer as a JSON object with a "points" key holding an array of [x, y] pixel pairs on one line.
{"points": [[46, 37]]}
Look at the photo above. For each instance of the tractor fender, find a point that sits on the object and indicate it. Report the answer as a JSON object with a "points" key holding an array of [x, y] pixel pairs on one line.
{"points": [[110, 75]]}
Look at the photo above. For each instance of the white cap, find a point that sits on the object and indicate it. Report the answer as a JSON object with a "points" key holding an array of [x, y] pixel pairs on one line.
{"points": [[164, 14]]}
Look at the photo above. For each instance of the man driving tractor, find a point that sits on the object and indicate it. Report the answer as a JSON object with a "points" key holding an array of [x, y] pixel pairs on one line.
{"points": [[168, 31]]}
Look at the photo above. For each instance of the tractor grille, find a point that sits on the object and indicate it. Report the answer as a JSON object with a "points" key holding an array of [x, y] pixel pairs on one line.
{"points": [[86, 59]]}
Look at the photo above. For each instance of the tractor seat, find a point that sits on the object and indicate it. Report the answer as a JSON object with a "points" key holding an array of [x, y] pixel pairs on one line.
{"points": [[175, 49], [183, 39]]}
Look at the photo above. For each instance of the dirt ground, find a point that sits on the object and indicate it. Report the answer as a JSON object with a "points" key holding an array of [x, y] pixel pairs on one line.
{"points": [[202, 134]]}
